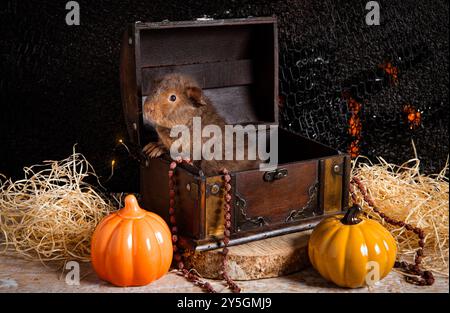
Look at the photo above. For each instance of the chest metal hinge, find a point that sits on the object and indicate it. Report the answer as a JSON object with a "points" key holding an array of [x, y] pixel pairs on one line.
{"points": [[241, 205], [308, 209]]}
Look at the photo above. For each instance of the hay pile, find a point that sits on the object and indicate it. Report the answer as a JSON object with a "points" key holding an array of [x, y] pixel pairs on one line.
{"points": [[51, 214], [403, 193]]}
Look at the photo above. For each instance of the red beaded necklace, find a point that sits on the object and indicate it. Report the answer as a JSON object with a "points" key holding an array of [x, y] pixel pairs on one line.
{"points": [[425, 278], [192, 275]]}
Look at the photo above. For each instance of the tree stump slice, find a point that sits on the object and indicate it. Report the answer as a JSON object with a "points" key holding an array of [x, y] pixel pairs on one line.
{"points": [[266, 258]]}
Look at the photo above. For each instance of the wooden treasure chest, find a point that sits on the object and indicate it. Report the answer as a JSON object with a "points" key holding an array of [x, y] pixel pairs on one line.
{"points": [[236, 63]]}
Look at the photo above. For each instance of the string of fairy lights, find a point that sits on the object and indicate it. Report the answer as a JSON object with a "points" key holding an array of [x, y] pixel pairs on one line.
{"points": [[133, 152]]}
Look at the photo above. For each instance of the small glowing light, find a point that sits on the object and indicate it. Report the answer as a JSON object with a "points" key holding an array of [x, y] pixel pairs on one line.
{"points": [[113, 163], [124, 145]]}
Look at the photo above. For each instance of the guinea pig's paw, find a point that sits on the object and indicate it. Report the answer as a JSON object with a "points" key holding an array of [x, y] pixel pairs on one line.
{"points": [[154, 150]]}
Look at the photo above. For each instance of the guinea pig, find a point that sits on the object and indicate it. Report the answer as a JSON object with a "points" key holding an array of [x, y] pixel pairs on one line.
{"points": [[175, 99]]}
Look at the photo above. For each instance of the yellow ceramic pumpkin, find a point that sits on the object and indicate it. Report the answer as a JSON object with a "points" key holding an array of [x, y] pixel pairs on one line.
{"points": [[352, 251]]}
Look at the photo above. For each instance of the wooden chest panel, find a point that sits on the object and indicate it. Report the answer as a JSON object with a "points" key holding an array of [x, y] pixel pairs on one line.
{"points": [[261, 203], [155, 189]]}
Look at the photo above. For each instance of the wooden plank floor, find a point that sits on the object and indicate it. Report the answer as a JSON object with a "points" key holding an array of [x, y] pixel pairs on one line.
{"points": [[18, 275]]}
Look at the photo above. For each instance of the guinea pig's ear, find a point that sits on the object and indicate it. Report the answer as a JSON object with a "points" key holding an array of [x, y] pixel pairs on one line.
{"points": [[157, 81], [154, 85], [196, 95]]}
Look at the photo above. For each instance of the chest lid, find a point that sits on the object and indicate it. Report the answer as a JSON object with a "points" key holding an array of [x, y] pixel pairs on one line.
{"points": [[235, 61]]}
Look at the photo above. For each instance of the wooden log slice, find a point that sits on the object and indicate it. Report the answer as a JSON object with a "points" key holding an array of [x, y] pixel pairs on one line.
{"points": [[271, 257]]}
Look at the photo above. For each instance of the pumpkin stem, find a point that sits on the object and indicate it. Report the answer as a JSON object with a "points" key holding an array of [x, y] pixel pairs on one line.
{"points": [[351, 216], [131, 208]]}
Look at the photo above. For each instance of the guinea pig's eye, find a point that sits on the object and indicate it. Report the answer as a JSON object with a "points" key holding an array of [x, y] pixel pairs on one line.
{"points": [[172, 98]]}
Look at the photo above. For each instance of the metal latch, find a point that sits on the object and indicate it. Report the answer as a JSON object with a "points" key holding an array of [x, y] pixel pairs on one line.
{"points": [[275, 174]]}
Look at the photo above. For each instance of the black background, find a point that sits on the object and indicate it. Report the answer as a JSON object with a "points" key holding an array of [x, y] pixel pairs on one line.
{"points": [[59, 84]]}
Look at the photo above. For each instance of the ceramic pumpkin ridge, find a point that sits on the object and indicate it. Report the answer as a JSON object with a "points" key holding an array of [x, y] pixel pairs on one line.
{"points": [[345, 249], [131, 247]]}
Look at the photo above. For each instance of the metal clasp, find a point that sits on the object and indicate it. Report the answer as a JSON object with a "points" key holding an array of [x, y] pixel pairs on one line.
{"points": [[275, 174]]}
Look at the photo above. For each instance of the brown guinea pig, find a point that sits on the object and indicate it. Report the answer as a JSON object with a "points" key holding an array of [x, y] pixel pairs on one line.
{"points": [[176, 99]]}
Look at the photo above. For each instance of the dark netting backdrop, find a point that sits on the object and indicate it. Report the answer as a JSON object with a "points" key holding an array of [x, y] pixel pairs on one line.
{"points": [[368, 90]]}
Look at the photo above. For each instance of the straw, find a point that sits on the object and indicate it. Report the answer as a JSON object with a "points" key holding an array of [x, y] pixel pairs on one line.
{"points": [[50, 215], [404, 193]]}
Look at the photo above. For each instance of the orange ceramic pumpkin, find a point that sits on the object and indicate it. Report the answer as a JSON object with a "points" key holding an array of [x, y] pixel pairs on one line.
{"points": [[131, 247]]}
